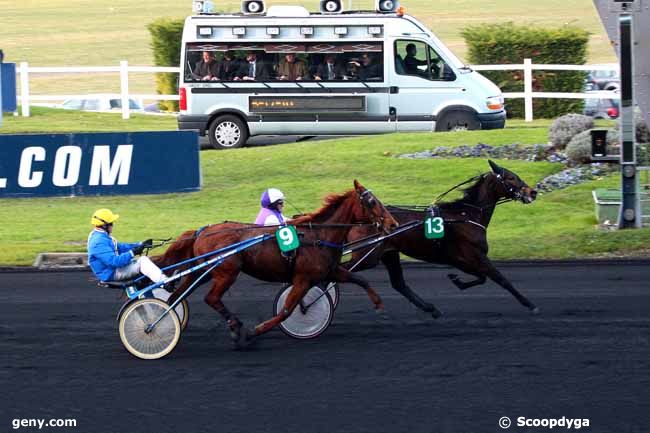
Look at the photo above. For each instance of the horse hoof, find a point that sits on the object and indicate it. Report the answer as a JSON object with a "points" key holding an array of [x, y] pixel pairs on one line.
{"points": [[436, 314], [534, 311], [382, 313], [243, 338]]}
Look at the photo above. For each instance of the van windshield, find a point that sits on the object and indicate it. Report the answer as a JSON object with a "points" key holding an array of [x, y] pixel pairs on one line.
{"points": [[349, 61]]}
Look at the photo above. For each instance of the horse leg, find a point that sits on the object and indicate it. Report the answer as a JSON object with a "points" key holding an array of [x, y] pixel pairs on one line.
{"points": [[486, 268], [342, 275], [222, 279], [392, 262], [300, 286], [493, 273]]}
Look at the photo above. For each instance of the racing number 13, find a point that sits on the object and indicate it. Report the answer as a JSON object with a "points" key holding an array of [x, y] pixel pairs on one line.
{"points": [[434, 228], [287, 238]]}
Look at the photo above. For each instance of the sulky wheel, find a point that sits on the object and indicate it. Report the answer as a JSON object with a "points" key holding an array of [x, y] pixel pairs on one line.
{"points": [[182, 309], [310, 318], [333, 291], [133, 324]]}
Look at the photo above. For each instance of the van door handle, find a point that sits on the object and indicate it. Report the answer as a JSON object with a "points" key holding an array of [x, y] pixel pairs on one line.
{"points": [[394, 89]]}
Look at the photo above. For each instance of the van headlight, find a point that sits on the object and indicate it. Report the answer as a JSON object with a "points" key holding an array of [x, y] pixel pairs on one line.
{"points": [[494, 102]]}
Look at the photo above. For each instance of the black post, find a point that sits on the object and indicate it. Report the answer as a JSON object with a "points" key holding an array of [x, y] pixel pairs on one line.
{"points": [[629, 216]]}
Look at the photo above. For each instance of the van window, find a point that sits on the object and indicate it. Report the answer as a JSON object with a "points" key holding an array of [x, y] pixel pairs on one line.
{"points": [[348, 61], [418, 59]]}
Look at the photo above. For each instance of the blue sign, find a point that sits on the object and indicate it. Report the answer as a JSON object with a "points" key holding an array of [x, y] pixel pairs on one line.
{"points": [[99, 164], [8, 84]]}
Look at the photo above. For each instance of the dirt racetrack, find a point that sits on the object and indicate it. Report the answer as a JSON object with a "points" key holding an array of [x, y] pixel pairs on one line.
{"points": [[585, 356]]}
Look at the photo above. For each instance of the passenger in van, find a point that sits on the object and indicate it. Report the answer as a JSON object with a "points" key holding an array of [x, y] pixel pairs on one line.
{"points": [[411, 63], [229, 67], [206, 68], [253, 69], [292, 69], [329, 70], [367, 68]]}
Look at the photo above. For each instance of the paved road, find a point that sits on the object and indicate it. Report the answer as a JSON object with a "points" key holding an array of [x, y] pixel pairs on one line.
{"points": [[268, 140], [585, 356]]}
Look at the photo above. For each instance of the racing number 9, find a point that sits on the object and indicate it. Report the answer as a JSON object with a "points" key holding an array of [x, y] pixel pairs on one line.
{"points": [[434, 228], [287, 238]]}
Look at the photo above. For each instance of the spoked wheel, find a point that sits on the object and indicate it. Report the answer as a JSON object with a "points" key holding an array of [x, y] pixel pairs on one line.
{"points": [[333, 291], [182, 309], [310, 318], [160, 340]]}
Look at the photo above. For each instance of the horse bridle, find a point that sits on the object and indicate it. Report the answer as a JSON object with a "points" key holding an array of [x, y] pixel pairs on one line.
{"points": [[369, 201], [511, 192]]}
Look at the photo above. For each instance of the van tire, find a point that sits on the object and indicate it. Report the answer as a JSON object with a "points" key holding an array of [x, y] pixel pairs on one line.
{"points": [[458, 121], [227, 132]]}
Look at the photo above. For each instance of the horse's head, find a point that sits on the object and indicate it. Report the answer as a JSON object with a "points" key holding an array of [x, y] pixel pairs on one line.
{"points": [[513, 187], [373, 209]]}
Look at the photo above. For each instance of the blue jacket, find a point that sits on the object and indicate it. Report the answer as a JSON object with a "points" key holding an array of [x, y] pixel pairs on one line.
{"points": [[105, 254]]}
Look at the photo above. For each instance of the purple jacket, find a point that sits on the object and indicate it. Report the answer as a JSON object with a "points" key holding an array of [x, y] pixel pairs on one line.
{"points": [[269, 217]]}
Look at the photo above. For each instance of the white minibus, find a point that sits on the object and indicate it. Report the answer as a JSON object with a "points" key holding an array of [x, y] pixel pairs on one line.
{"points": [[289, 71]]}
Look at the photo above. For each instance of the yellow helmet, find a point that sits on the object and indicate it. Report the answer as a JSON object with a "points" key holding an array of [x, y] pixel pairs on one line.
{"points": [[102, 217]]}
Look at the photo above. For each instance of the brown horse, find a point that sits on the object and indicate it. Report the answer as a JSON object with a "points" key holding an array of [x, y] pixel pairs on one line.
{"points": [[464, 245], [321, 234]]}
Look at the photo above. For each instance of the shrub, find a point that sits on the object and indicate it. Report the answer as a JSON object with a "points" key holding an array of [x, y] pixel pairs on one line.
{"points": [[564, 128], [511, 44], [642, 134], [166, 35], [578, 151]]}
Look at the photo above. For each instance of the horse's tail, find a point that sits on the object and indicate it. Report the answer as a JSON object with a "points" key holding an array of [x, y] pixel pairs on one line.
{"points": [[182, 249]]}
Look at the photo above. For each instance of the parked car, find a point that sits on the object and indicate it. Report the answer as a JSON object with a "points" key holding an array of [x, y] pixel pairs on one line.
{"points": [[602, 80], [99, 103], [602, 108]]}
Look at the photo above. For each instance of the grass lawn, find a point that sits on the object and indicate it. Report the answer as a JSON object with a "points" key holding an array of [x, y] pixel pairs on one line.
{"points": [[557, 225], [79, 32], [52, 120]]}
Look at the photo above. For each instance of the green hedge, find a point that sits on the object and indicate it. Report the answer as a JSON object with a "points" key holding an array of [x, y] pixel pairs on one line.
{"points": [[166, 35], [491, 44]]}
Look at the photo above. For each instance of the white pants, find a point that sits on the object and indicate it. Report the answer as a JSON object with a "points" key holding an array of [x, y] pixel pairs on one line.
{"points": [[144, 266]]}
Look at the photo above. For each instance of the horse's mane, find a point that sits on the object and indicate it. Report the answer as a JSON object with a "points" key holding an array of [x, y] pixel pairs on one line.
{"points": [[330, 204], [470, 193]]}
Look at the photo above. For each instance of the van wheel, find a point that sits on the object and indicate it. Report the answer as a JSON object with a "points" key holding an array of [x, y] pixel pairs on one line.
{"points": [[227, 132], [458, 121]]}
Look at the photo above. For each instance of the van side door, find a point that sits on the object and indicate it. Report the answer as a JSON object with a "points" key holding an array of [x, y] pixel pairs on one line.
{"points": [[422, 83]]}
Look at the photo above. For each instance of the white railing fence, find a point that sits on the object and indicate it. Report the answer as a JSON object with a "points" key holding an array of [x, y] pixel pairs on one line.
{"points": [[123, 69], [528, 67]]}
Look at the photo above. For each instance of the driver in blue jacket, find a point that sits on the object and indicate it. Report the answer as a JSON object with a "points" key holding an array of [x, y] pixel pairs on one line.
{"points": [[115, 261]]}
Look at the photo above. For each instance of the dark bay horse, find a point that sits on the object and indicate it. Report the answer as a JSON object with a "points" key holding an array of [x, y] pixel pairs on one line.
{"points": [[464, 245], [321, 234]]}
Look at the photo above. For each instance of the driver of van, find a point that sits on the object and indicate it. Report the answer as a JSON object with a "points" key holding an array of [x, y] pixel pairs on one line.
{"points": [[411, 62]]}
